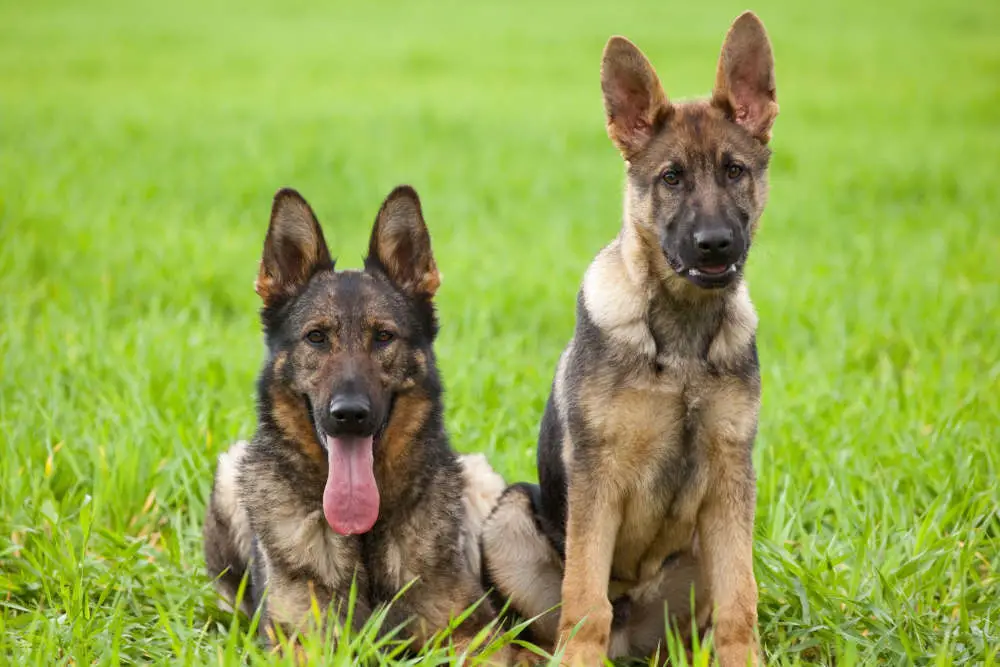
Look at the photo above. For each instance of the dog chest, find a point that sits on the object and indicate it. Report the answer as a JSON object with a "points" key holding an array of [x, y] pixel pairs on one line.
{"points": [[659, 439]]}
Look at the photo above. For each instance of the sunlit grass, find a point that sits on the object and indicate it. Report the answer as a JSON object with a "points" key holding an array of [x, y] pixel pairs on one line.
{"points": [[140, 145]]}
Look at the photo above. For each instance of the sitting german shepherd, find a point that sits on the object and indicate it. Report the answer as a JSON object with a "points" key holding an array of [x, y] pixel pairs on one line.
{"points": [[349, 474], [647, 487]]}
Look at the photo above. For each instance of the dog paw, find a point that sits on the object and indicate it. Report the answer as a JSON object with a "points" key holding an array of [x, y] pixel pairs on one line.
{"points": [[483, 485], [514, 656], [583, 655], [740, 655]]}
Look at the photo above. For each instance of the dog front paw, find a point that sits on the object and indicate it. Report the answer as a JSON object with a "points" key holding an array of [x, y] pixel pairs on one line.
{"points": [[738, 655], [583, 654]]}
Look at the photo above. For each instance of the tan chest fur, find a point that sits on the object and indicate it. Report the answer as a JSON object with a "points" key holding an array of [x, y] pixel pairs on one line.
{"points": [[665, 434], [662, 455]]}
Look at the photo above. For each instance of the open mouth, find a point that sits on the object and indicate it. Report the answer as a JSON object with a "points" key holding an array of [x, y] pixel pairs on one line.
{"points": [[351, 496], [714, 271], [712, 276]]}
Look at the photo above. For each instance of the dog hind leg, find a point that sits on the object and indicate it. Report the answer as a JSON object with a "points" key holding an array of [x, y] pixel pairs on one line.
{"points": [[520, 562], [227, 534]]}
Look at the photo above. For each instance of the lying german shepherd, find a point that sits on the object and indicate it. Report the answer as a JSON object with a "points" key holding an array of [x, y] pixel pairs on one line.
{"points": [[350, 474], [647, 487]]}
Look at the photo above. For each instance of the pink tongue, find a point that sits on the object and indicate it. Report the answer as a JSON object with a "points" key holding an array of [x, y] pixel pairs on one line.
{"points": [[714, 269], [350, 499]]}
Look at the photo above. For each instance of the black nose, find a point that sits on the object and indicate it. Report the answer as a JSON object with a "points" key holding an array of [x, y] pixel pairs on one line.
{"points": [[713, 241], [351, 414]]}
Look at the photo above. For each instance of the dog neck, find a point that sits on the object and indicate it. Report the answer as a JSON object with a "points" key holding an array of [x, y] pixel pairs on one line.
{"points": [[633, 295]]}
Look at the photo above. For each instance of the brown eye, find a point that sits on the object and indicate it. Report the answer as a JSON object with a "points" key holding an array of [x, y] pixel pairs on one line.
{"points": [[383, 336], [734, 171], [316, 337], [671, 177]]}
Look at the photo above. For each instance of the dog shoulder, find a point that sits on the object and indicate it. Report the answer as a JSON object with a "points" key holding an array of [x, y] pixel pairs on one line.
{"points": [[226, 531], [225, 502], [734, 347], [616, 304]]}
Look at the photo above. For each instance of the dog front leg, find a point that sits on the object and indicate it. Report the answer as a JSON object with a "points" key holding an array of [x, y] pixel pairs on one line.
{"points": [[591, 530], [291, 604], [725, 530]]}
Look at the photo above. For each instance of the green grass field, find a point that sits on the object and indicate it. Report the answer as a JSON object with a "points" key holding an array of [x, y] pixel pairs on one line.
{"points": [[140, 146]]}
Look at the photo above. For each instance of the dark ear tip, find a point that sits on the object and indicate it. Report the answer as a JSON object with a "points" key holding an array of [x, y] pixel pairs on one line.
{"points": [[287, 196], [618, 46], [287, 193], [404, 192], [748, 20], [403, 196]]}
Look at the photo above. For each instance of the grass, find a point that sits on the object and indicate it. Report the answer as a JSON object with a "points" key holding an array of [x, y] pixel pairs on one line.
{"points": [[141, 142]]}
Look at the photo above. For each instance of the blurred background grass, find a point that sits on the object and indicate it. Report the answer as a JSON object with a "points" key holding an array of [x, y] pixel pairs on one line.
{"points": [[140, 145]]}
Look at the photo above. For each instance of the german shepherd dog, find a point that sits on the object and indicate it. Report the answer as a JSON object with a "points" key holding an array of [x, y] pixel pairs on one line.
{"points": [[349, 476], [647, 486]]}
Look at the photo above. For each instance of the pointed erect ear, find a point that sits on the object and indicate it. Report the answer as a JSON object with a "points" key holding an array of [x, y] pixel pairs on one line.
{"points": [[633, 97], [400, 245], [294, 248], [744, 82]]}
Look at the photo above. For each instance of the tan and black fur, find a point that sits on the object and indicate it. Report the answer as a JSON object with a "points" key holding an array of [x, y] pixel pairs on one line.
{"points": [[647, 486], [368, 335]]}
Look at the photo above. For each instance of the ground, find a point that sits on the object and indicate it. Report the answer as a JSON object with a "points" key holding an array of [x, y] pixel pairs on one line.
{"points": [[140, 146]]}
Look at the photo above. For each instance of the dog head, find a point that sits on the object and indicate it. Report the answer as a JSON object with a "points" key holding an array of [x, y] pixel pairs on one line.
{"points": [[345, 345], [697, 171]]}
